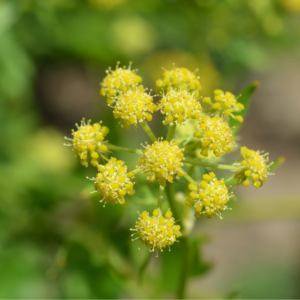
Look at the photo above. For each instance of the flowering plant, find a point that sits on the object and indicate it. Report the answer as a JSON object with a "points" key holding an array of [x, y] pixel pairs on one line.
{"points": [[201, 130]]}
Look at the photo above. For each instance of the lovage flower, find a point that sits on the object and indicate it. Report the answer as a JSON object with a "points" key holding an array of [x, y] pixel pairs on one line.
{"points": [[225, 103], [162, 161], [113, 182], [254, 166], [118, 81], [209, 197], [88, 143], [214, 135], [179, 79], [134, 106], [156, 231], [179, 106]]}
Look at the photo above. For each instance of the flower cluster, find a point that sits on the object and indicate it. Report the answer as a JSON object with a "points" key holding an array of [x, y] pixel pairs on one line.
{"points": [[118, 81], [254, 166], [215, 135], [134, 106], [156, 231], [179, 79], [225, 104], [88, 143], [162, 160], [179, 106], [113, 182], [209, 197]]}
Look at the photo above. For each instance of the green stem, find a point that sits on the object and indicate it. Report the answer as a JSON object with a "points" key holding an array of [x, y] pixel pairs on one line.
{"points": [[160, 196], [183, 243], [171, 131], [123, 149], [148, 131], [174, 209], [143, 267], [179, 181], [203, 163], [186, 141], [190, 179], [138, 170], [192, 146]]}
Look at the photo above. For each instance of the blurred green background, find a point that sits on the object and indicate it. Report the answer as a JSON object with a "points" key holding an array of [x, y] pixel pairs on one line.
{"points": [[57, 241]]}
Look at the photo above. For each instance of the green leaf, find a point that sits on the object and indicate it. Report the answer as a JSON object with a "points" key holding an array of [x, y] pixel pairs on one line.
{"points": [[198, 266], [244, 99], [171, 268]]}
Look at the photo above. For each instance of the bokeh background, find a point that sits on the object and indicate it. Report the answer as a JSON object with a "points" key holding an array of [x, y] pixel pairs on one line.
{"points": [[57, 241]]}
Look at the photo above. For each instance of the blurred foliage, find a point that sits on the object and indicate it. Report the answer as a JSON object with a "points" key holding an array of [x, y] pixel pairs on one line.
{"points": [[56, 240]]}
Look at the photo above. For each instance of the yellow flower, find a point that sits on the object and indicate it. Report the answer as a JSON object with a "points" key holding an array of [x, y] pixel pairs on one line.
{"points": [[179, 106], [215, 135], [134, 106], [254, 166], [225, 104], [88, 143], [118, 81], [156, 231], [210, 197], [112, 182], [179, 79], [162, 161]]}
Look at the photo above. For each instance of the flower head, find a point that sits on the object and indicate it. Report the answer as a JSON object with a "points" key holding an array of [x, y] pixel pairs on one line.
{"points": [[179, 106], [113, 182], [210, 197], [179, 79], [254, 166], [118, 81], [162, 161], [156, 231], [214, 135], [134, 106], [88, 143], [225, 103]]}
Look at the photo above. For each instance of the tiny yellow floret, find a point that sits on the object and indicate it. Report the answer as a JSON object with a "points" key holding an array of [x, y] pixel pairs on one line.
{"points": [[112, 182], [155, 231], [215, 135], [134, 106], [88, 143], [210, 197], [118, 81], [254, 166], [162, 160], [225, 104], [179, 79], [179, 107]]}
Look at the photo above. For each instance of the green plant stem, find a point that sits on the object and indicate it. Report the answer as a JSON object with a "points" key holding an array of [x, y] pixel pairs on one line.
{"points": [[192, 146], [171, 131], [148, 131], [179, 181], [203, 163], [160, 196], [183, 243], [138, 170], [143, 267], [186, 141], [190, 179], [123, 149]]}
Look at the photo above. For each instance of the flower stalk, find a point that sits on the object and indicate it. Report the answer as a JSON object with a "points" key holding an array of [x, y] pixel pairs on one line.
{"points": [[149, 132], [123, 149], [203, 163], [171, 131]]}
